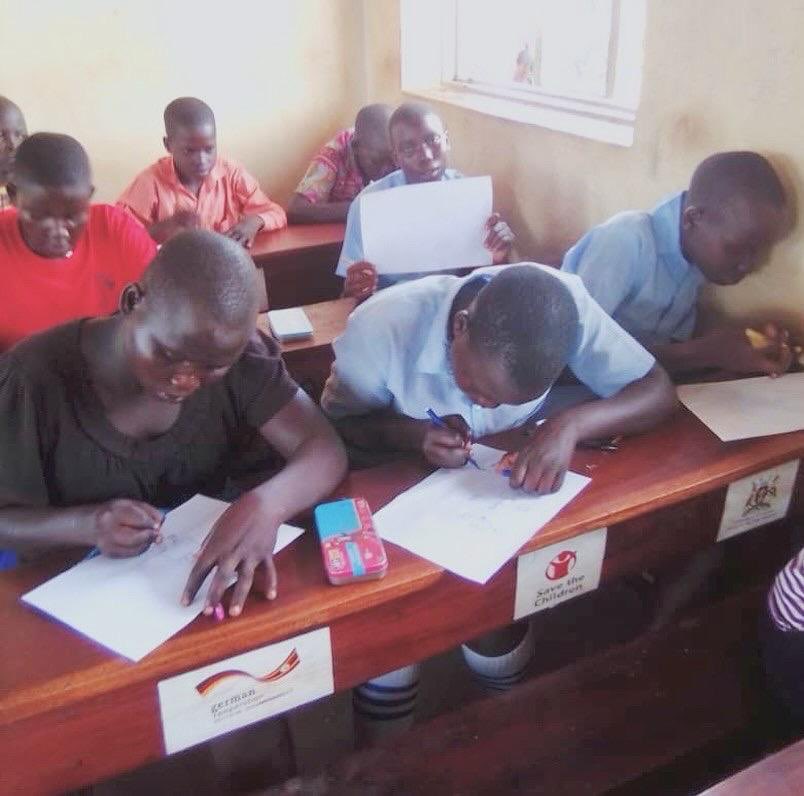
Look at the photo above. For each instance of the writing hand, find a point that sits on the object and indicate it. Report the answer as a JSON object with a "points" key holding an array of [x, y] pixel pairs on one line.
{"points": [[447, 447], [124, 527]]}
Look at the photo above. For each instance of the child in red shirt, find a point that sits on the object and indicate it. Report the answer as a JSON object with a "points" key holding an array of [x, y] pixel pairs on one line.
{"points": [[60, 257]]}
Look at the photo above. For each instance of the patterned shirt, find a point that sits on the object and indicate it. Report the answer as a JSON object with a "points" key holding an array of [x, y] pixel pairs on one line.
{"points": [[333, 175], [786, 598]]}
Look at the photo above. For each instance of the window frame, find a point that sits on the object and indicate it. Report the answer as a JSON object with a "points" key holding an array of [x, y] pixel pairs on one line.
{"points": [[428, 67]]}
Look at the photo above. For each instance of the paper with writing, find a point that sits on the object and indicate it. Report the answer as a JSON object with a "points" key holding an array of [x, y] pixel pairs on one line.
{"points": [[131, 605], [470, 521]]}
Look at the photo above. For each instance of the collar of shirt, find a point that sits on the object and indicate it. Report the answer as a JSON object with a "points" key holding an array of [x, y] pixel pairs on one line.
{"points": [[397, 178], [172, 176], [666, 222]]}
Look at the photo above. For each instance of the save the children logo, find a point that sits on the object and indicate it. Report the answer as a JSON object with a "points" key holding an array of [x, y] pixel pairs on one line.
{"points": [[561, 565], [762, 493], [284, 668]]}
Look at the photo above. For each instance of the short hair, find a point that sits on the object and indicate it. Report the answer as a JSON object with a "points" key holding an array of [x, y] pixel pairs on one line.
{"points": [[187, 112], [371, 122], [725, 175], [8, 105], [209, 270], [411, 113], [527, 317], [52, 160]]}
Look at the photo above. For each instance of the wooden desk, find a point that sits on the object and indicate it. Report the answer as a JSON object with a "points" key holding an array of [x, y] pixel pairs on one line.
{"points": [[92, 715], [781, 774], [309, 361], [299, 263]]}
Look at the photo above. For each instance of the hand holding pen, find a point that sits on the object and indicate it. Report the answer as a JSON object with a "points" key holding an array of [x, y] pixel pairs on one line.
{"points": [[447, 441]]}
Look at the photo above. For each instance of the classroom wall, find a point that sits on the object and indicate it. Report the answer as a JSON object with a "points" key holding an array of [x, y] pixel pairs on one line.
{"points": [[281, 77], [720, 74]]}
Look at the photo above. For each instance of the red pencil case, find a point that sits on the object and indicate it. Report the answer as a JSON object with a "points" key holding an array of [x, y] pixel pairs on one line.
{"points": [[350, 546]]}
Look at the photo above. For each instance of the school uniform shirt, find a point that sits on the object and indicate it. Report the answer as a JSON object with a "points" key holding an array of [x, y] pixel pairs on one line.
{"points": [[352, 250], [394, 354], [634, 268], [39, 292], [227, 194], [786, 597], [58, 449], [333, 175]]}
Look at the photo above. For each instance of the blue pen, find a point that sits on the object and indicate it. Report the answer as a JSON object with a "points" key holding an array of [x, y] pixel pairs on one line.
{"points": [[439, 421]]}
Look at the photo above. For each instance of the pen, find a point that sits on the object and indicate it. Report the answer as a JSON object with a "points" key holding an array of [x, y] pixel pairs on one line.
{"points": [[438, 421]]}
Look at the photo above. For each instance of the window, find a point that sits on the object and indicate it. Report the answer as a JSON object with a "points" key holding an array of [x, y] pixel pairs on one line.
{"points": [[570, 65]]}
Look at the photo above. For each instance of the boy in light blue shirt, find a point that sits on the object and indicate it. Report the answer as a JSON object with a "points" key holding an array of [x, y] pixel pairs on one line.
{"points": [[646, 269], [420, 145], [483, 352]]}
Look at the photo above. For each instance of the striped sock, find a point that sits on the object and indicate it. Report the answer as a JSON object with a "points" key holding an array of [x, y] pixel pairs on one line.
{"points": [[501, 672], [384, 705]]}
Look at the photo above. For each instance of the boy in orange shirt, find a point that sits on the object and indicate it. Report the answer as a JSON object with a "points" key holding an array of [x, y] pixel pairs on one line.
{"points": [[12, 133], [194, 187]]}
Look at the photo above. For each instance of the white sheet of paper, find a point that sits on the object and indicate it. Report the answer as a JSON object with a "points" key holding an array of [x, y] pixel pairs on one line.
{"points": [[470, 521], [131, 605], [747, 408], [431, 226]]}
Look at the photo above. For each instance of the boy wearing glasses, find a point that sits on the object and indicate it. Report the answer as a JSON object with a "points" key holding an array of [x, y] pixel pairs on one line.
{"points": [[420, 145]]}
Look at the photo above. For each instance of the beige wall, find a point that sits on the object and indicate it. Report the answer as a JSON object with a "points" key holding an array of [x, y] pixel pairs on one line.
{"points": [[720, 74], [281, 75]]}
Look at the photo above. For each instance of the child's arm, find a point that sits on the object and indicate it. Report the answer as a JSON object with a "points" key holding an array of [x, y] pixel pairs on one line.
{"points": [[257, 211], [542, 464], [244, 537], [727, 349], [388, 431], [302, 211], [119, 528]]}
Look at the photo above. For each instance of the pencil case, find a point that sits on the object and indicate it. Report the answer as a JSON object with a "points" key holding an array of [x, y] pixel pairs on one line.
{"points": [[350, 546]]}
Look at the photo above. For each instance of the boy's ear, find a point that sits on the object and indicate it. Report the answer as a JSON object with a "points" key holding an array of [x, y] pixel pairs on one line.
{"points": [[460, 324], [11, 190], [166, 142], [131, 296], [691, 216], [91, 191]]}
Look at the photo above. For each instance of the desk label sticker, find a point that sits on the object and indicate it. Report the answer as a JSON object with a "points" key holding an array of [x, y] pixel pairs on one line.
{"points": [[554, 574], [757, 500], [232, 693]]}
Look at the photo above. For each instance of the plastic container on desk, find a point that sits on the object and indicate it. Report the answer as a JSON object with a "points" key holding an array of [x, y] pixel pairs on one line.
{"points": [[350, 546]]}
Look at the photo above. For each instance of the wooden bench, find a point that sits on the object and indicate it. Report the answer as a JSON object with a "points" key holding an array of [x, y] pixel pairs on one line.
{"points": [[661, 496]]}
